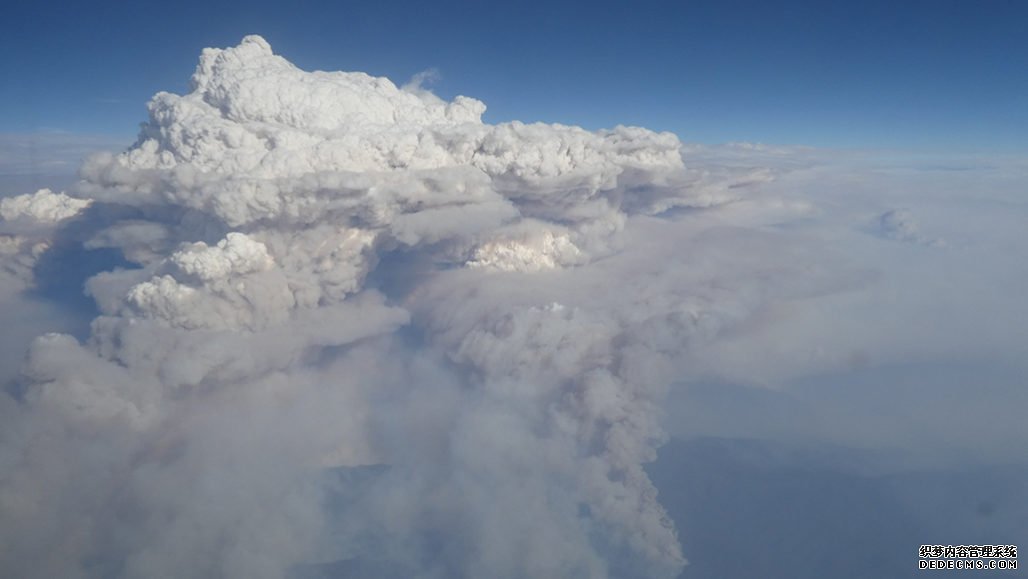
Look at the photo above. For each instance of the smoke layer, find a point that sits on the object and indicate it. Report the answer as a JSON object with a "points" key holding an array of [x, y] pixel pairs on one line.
{"points": [[329, 272]]}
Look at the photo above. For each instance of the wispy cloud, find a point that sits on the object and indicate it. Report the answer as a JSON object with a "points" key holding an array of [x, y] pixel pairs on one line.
{"points": [[51, 158], [51, 152]]}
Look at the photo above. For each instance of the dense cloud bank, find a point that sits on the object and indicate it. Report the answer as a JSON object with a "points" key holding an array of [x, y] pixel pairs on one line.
{"points": [[356, 330]]}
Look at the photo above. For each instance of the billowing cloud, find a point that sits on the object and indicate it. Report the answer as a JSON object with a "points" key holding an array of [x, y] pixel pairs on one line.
{"points": [[328, 272], [42, 206]]}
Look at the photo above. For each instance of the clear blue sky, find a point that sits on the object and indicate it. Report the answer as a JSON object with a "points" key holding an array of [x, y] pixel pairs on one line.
{"points": [[935, 74]]}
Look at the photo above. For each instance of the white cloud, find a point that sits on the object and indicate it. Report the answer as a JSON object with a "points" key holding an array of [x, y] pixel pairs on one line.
{"points": [[42, 206]]}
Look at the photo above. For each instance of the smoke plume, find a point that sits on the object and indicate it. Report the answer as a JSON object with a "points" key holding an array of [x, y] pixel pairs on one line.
{"points": [[356, 331]]}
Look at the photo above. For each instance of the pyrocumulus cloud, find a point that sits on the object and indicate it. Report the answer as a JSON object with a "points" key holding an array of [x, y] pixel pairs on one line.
{"points": [[326, 272]]}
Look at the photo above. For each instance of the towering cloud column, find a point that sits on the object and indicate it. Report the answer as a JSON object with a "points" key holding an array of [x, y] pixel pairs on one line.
{"points": [[333, 272]]}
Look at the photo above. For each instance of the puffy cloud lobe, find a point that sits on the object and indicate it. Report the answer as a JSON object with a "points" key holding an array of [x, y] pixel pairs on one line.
{"points": [[543, 250], [237, 254], [42, 206], [251, 347], [26, 223], [231, 285]]}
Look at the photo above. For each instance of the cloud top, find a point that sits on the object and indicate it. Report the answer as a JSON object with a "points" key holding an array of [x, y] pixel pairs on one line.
{"points": [[43, 206]]}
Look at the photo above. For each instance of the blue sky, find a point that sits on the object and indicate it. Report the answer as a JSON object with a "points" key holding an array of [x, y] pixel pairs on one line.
{"points": [[934, 75]]}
